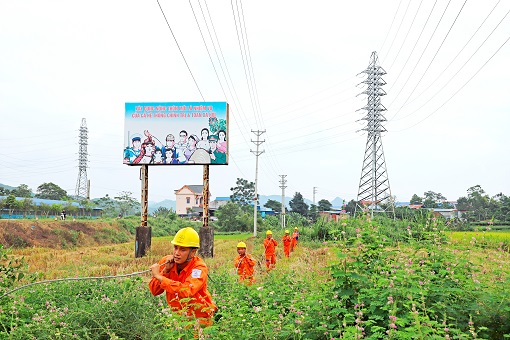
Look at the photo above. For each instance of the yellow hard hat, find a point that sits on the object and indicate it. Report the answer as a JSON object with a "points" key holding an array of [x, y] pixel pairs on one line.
{"points": [[241, 245], [269, 232], [286, 231], [295, 228], [187, 237]]}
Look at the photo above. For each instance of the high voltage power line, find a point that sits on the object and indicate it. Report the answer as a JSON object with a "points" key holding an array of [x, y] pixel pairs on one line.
{"points": [[271, 161], [456, 56]]}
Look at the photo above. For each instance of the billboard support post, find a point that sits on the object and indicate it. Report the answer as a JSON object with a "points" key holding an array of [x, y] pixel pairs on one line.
{"points": [[143, 232], [206, 233]]}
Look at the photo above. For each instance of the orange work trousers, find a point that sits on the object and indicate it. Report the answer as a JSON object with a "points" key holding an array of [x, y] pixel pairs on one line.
{"points": [[270, 261]]}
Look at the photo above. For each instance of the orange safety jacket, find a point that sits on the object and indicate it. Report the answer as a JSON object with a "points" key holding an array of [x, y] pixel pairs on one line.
{"points": [[295, 236], [270, 245], [245, 265], [286, 242], [190, 283]]}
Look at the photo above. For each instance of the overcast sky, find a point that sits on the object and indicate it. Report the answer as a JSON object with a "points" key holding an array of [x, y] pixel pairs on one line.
{"points": [[287, 67]]}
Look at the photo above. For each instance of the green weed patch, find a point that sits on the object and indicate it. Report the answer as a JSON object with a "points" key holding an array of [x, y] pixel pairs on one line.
{"points": [[357, 279]]}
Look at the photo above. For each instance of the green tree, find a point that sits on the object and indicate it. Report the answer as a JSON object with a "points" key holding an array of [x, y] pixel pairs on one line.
{"points": [[11, 203], [26, 205], [350, 207], [86, 206], [275, 205], [502, 211], [244, 192], [166, 213], [45, 209], [51, 191], [126, 203], [295, 219], [4, 191], [416, 200], [72, 210], [313, 213], [229, 217], [56, 209], [435, 200], [479, 202], [324, 205], [429, 203], [108, 205], [23, 191], [298, 205]]}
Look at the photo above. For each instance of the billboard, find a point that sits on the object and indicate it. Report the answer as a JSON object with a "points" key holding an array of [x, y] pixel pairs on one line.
{"points": [[176, 133]]}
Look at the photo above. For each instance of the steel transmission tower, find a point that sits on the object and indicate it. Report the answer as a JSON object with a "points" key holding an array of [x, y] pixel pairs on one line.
{"points": [[82, 185], [374, 186]]}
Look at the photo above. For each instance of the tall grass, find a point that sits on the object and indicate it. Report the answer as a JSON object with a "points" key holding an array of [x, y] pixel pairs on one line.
{"points": [[377, 280]]}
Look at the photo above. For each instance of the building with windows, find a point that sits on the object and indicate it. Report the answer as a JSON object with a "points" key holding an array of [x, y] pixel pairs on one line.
{"points": [[189, 199]]}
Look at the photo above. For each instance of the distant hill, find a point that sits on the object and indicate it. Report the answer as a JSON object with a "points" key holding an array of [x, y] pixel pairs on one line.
{"points": [[8, 187], [153, 206], [337, 202]]}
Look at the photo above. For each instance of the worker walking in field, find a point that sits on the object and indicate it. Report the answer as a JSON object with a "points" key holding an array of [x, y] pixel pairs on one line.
{"points": [[295, 237], [183, 276], [286, 243], [244, 264], [270, 250]]}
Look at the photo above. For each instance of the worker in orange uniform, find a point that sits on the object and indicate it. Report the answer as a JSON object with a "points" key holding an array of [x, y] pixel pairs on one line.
{"points": [[286, 243], [244, 265], [270, 250], [183, 275], [295, 237]]}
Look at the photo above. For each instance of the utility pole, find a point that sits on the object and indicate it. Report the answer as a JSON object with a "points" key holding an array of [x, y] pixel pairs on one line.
{"points": [[143, 232], [257, 153], [206, 233], [283, 181], [374, 186], [314, 192]]}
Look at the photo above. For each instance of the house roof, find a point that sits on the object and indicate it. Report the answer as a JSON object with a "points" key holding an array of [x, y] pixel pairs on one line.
{"points": [[196, 189], [222, 199]]}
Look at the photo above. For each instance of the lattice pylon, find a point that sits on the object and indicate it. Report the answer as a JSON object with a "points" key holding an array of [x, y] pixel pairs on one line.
{"points": [[374, 191], [82, 190]]}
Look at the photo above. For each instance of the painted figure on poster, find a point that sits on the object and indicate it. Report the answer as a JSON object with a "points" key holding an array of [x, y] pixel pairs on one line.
{"points": [[216, 156], [169, 156], [192, 142], [180, 146], [130, 153], [222, 142], [147, 150], [203, 143], [157, 158], [169, 150]]}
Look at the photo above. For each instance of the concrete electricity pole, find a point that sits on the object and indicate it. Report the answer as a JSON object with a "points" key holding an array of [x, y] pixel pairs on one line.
{"points": [[314, 192], [257, 153], [283, 181]]}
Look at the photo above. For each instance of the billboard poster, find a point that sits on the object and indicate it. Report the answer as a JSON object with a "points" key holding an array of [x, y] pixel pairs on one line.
{"points": [[176, 133]]}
